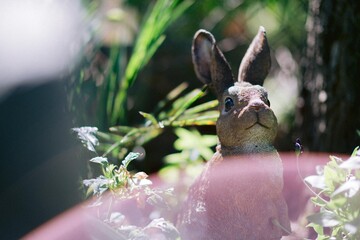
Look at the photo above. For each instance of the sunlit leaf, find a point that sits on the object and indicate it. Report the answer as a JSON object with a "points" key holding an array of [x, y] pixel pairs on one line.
{"points": [[336, 203], [318, 201], [149, 117], [316, 181], [121, 129], [201, 121], [318, 229], [184, 103], [356, 151], [352, 163], [206, 153], [331, 177], [204, 118], [207, 114], [324, 218], [351, 188], [202, 107], [108, 137], [175, 158], [87, 137], [131, 156], [100, 160], [99, 185]]}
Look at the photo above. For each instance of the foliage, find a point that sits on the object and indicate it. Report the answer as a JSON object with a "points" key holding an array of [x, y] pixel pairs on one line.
{"points": [[87, 137], [178, 114], [110, 68], [124, 185], [338, 198], [149, 39], [175, 111], [193, 147]]}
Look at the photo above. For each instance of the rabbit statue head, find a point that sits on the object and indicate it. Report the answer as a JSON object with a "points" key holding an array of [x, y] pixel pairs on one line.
{"points": [[246, 123]]}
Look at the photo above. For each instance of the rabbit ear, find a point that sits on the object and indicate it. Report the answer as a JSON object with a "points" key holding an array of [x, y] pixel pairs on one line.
{"points": [[256, 63], [210, 64]]}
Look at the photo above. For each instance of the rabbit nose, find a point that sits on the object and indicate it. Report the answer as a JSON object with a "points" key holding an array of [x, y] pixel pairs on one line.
{"points": [[257, 105]]}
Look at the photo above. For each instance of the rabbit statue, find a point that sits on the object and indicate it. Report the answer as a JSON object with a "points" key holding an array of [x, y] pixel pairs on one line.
{"points": [[239, 193]]}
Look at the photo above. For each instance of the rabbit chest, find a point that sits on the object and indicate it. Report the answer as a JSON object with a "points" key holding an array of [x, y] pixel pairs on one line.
{"points": [[236, 197]]}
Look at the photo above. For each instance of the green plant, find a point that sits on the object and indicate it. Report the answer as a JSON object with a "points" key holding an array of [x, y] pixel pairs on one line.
{"points": [[193, 147], [338, 198], [151, 36], [174, 111], [124, 185], [99, 86]]}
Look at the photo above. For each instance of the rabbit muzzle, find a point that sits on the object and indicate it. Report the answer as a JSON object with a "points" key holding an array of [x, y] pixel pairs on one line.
{"points": [[257, 114]]}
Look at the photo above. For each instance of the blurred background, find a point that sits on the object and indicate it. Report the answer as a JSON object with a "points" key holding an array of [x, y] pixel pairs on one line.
{"points": [[68, 64]]}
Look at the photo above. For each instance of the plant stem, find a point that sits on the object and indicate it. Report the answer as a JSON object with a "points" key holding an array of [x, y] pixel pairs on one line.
{"points": [[302, 179]]}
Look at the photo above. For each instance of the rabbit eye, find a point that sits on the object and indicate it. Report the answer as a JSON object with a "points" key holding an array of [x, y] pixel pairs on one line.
{"points": [[229, 103]]}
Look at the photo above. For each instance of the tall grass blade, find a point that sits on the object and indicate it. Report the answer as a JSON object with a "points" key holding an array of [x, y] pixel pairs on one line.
{"points": [[150, 37]]}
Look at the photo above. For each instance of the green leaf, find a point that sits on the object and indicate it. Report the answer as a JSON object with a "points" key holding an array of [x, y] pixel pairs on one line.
{"points": [[336, 203], [202, 107], [192, 139], [150, 117], [193, 147], [151, 36], [324, 218], [318, 201], [206, 153], [121, 129], [184, 103], [107, 137], [109, 171], [100, 160], [131, 156], [317, 228], [205, 119], [356, 150], [332, 177], [175, 158]]}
